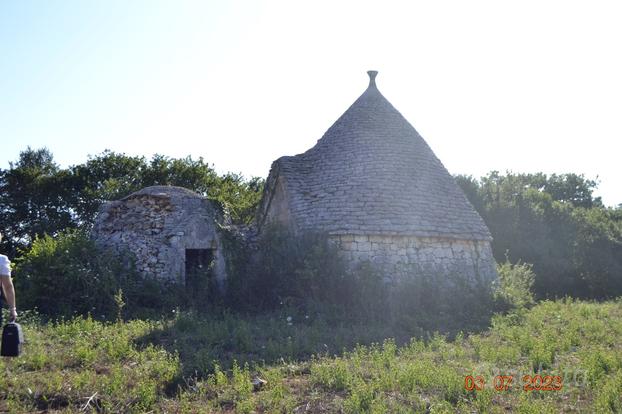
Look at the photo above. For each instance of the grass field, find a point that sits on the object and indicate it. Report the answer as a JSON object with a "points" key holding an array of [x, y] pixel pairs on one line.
{"points": [[191, 364]]}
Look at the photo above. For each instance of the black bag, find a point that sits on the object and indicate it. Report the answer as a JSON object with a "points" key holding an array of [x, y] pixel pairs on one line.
{"points": [[12, 340]]}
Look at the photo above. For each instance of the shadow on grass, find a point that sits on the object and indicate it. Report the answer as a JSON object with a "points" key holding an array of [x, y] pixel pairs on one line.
{"points": [[204, 343]]}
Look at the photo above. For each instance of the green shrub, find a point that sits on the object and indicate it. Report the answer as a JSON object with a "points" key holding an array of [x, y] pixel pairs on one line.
{"points": [[66, 275], [69, 275], [334, 376], [513, 289], [305, 272], [431, 299]]}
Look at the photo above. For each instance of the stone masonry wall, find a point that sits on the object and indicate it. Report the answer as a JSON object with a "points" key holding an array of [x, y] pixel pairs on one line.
{"points": [[398, 255], [157, 229]]}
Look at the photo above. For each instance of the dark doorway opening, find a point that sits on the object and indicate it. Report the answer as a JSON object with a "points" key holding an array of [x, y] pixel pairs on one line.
{"points": [[199, 264]]}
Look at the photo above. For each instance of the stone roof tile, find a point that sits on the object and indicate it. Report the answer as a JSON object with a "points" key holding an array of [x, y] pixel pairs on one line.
{"points": [[372, 173]]}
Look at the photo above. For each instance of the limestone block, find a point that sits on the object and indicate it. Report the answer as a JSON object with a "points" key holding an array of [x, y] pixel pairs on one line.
{"points": [[347, 238], [347, 245], [361, 256], [378, 260], [359, 238]]}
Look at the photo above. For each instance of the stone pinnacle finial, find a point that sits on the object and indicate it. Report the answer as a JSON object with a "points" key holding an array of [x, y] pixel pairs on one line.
{"points": [[372, 77]]}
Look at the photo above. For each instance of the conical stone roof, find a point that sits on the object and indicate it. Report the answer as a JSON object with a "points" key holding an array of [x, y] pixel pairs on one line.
{"points": [[372, 173]]}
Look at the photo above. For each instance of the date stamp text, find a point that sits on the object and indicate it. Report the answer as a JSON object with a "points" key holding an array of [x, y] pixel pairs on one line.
{"points": [[506, 382]]}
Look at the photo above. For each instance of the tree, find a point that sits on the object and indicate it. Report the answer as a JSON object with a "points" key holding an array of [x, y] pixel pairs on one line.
{"points": [[108, 176], [34, 195], [555, 223]]}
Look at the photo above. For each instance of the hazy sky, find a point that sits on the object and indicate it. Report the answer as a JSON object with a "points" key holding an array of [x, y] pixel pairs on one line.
{"points": [[524, 86]]}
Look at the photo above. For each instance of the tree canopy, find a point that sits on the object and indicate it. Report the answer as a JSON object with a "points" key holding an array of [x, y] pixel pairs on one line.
{"points": [[38, 197], [555, 223]]}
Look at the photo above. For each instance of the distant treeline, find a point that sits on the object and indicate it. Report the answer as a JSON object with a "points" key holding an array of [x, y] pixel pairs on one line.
{"points": [[555, 223], [38, 197]]}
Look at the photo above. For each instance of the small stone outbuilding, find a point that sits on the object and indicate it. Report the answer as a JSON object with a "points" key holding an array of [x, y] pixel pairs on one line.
{"points": [[171, 231], [374, 186]]}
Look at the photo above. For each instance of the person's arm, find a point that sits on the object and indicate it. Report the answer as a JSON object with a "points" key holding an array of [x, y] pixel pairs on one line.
{"points": [[9, 294]]}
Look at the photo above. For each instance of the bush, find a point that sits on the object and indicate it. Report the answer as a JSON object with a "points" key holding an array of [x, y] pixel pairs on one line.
{"points": [[65, 275], [306, 272], [432, 299], [513, 289], [69, 275]]}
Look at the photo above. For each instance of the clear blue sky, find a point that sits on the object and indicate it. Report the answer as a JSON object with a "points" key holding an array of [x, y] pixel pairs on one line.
{"points": [[526, 86]]}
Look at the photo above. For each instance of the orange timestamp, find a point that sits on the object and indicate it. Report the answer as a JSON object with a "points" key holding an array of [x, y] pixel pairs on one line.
{"points": [[506, 382]]}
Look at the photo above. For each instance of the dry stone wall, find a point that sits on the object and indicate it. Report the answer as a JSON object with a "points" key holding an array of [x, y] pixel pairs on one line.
{"points": [[398, 256], [157, 226]]}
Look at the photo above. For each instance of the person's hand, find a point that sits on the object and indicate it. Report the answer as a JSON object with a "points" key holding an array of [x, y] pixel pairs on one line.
{"points": [[12, 314]]}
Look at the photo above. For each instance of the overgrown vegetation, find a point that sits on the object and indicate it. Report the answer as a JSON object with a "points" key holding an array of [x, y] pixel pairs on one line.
{"points": [[513, 289], [69, 275], [306, 272], [89, 366], [555, 223]]}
